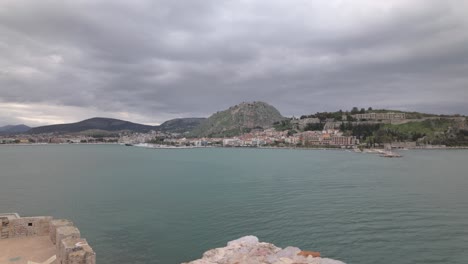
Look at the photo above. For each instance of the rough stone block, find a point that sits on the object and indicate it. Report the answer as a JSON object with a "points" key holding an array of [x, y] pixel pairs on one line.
{"points": [[76, 251], [66, 232], [30, 226], [54, 224]]}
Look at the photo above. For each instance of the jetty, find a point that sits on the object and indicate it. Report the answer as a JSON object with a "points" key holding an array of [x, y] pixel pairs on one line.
{"points": [[42, 240]]}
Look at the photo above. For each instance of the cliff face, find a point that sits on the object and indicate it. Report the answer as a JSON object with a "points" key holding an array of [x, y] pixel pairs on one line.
{"points": [[248, 250]]}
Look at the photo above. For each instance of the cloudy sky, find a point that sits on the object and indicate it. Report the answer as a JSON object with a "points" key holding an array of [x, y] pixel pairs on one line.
{"points": [[152, 60]]}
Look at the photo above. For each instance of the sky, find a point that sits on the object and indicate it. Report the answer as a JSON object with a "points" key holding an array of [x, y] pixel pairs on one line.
{"points": [[148, 61]]}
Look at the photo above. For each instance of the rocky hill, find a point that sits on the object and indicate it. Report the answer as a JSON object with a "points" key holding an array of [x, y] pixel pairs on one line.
{"points": [[238, 119], [180, 125]]}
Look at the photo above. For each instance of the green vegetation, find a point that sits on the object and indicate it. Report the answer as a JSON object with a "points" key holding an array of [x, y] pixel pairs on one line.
{"points": [[431, 131], [326, 115], [283, 125], [97, 133], [361, 131], [426, 127], [156, 140], [314, 127], [238, 119], [459, 139]]}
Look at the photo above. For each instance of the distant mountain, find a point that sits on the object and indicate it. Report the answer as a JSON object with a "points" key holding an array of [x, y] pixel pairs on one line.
{"points": [[14, 129], [98, 123], [238, 119], [180, 125]]}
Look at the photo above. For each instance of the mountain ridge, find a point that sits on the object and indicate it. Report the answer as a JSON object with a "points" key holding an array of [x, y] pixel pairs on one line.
{"points": [[101, 123], [178, 125]]}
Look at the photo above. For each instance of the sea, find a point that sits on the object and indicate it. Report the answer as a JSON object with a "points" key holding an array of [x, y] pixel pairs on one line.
{"points": [[138, 205]]}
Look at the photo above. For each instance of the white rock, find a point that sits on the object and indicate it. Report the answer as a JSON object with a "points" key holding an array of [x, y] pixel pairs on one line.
{"points": [[286, 260], [288, 252], [248, 250], [245, 241], [331, 261]]}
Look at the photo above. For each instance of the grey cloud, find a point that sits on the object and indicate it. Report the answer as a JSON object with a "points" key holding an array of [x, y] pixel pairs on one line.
{"points": [[154, 60]]}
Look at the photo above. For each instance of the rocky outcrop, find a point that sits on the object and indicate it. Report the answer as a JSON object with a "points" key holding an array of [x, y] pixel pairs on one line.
{"points": [[248, 250], [238, 119]]}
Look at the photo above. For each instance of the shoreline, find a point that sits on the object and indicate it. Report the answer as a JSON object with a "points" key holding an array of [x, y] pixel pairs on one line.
{"points": [[246, 147]]}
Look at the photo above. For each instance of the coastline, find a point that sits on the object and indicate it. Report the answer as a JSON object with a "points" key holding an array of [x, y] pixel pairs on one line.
{"points": [[241, 147]]}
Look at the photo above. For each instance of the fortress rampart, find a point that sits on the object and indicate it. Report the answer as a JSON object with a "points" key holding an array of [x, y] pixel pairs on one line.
{"points": [[58, 236]]}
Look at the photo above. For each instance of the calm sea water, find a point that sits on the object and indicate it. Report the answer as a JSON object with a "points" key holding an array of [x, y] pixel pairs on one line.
{"points": [[138, 205]]}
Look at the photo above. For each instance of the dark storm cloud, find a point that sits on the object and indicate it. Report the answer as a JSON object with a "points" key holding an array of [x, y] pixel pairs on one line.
{"points": [[149, 61]]}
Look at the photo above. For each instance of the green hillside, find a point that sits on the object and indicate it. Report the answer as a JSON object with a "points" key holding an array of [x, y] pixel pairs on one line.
{"points": [[238, 119]]}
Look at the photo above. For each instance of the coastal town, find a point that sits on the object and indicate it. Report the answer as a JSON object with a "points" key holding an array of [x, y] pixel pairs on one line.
{"points": [[257, 138], [315, 131]]}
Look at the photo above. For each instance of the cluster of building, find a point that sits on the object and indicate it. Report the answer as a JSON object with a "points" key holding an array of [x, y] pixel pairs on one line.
{"points": [[379, 116], [256, 138], [271, 137], [54, 139], [135, 138], [329, 137]]}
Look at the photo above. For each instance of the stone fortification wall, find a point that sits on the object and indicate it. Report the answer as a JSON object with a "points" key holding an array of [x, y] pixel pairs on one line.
{"points": [[71, 248], [29, 226]]}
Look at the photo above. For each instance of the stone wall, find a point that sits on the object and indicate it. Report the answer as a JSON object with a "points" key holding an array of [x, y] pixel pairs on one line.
{"points": [[71, 248], [11, 227], [29, 226]]}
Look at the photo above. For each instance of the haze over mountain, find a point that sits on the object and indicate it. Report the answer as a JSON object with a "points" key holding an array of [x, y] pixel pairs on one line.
{"points": [[179, 125], [14, 129], [238, 119], [233, 121], [99, 123]]}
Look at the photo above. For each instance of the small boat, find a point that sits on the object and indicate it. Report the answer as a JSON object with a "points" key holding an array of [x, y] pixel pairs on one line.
{"points": [[128, 144], [390, 155]]}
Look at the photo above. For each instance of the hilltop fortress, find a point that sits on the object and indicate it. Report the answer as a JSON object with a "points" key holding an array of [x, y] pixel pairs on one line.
{"points": [[42, 240]]}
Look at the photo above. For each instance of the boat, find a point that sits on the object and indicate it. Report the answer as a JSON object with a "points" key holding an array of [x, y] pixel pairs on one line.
{"points": [[389, 154], [128, 144]]}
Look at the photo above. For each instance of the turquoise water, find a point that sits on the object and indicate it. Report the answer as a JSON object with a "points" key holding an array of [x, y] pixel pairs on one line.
{"points": [[138, 205]]}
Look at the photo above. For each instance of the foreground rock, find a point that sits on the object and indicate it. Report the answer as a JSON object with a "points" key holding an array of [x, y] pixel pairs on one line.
{"points": [[248, 250]]}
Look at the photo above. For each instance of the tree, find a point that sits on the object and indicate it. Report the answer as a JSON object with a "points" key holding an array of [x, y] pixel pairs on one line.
{"points": [[369, 109], [314, 126], [363, 111], [355, 110]]}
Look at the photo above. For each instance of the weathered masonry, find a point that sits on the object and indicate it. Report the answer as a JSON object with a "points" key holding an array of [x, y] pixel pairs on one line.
{"points": [[379, 116], [42, 239]]}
